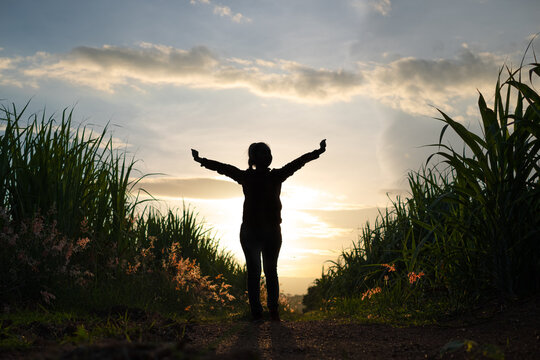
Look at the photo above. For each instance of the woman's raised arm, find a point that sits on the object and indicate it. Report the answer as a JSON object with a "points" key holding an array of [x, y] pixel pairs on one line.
{"points": [[225, 169], [296, 164]]}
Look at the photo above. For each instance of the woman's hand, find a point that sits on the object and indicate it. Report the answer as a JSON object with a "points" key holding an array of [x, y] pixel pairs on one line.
{"points": [[195, 154], [323, 146]]}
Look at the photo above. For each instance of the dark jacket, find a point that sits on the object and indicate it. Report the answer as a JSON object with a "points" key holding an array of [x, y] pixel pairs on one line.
{"points": [[262, 206]]}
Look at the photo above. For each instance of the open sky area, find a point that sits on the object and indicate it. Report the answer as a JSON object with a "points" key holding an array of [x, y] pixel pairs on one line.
{"points": [[217, 75]]}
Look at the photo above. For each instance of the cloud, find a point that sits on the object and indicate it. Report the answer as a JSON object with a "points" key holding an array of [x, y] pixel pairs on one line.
{"points": [[6, 63], [412, 84], [394, 191], [320, 252], [194, 188], [345, 218], [381, 6], [109, 67], [224, 11], [400, 149], [7, 78], [408, 84]]}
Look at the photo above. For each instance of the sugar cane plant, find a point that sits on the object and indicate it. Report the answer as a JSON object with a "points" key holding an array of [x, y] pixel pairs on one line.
{"points": [[469, 228]]}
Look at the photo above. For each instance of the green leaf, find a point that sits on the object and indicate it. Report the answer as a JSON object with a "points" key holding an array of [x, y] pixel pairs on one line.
{"points": [[535, 70], [527, 92], [473, 141], [489, 119]]}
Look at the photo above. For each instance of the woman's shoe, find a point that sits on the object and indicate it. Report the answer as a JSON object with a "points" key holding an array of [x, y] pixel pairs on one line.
{"points": [[274, 315], [256, 317]]}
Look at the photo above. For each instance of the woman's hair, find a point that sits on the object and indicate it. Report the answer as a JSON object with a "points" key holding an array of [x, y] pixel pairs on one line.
{"points": [[260, 155]]}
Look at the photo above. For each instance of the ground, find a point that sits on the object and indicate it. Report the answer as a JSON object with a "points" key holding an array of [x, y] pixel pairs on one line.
{"points": [[512, 333]]}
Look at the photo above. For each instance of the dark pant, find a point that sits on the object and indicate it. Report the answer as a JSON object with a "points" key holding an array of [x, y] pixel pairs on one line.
{"points": [[265, 240]]}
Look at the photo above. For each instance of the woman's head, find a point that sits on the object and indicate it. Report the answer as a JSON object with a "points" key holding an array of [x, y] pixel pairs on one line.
{"points": [[260, 156]]}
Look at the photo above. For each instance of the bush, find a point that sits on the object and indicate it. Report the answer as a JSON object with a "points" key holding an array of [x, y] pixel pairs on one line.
{"points": [[470, 225], [73, 230]]}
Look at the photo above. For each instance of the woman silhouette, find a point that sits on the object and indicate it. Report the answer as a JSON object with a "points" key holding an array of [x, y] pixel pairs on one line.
{"points": [[260, 232]]}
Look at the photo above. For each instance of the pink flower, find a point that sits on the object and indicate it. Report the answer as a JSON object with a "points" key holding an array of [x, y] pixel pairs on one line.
{"points": [[69, 252], [132, 269], [370, 292], [390, 268], [58, 247], [47, 296], [83, 242], [37, 225], [413, 277]]}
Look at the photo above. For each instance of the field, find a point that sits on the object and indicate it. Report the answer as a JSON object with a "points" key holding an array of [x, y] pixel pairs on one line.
{"points": [[91, 271]]}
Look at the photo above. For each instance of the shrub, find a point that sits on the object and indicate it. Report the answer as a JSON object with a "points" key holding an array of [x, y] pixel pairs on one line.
{"points": [[470, 224], [73, 231]]}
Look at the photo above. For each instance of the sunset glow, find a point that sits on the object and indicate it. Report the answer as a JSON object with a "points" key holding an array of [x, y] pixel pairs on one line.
{"points": [[169, 76]]}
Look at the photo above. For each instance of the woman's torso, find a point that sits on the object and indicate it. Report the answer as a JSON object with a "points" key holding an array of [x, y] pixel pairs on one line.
{"points": [[262, 205]]}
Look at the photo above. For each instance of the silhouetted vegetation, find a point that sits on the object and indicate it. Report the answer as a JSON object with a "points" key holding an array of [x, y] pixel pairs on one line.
{"points": [[467, 231], [74, 234]]}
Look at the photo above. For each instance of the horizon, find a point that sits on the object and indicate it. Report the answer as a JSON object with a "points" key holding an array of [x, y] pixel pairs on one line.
{"points": [[365, 75]]}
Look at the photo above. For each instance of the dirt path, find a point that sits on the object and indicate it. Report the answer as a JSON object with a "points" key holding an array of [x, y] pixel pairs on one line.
{"points": [[335, 340], [512, 334]]}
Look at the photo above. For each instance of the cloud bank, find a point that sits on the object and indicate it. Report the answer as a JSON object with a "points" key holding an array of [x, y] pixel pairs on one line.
{"points": [[346, 218], [194, 188], [109, 67], [413, 84], [409, 84]]}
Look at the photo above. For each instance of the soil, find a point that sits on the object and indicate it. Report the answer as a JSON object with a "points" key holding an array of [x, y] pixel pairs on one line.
{"points": [[510, 334]]}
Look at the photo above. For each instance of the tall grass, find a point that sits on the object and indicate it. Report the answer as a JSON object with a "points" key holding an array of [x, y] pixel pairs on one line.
{"points": [[469, 228], [72, 226], [194, 239]]}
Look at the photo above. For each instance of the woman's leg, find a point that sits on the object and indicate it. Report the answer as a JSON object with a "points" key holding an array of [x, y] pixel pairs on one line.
{"points": [[252, 252], [270, 254]]}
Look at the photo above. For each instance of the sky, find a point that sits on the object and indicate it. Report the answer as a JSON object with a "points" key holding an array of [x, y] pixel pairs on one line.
{"points": [[171, 75]]}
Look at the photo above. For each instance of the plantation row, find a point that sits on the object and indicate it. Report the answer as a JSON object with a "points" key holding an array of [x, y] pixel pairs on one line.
{"points": [[73, 233], [468, 230]]}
